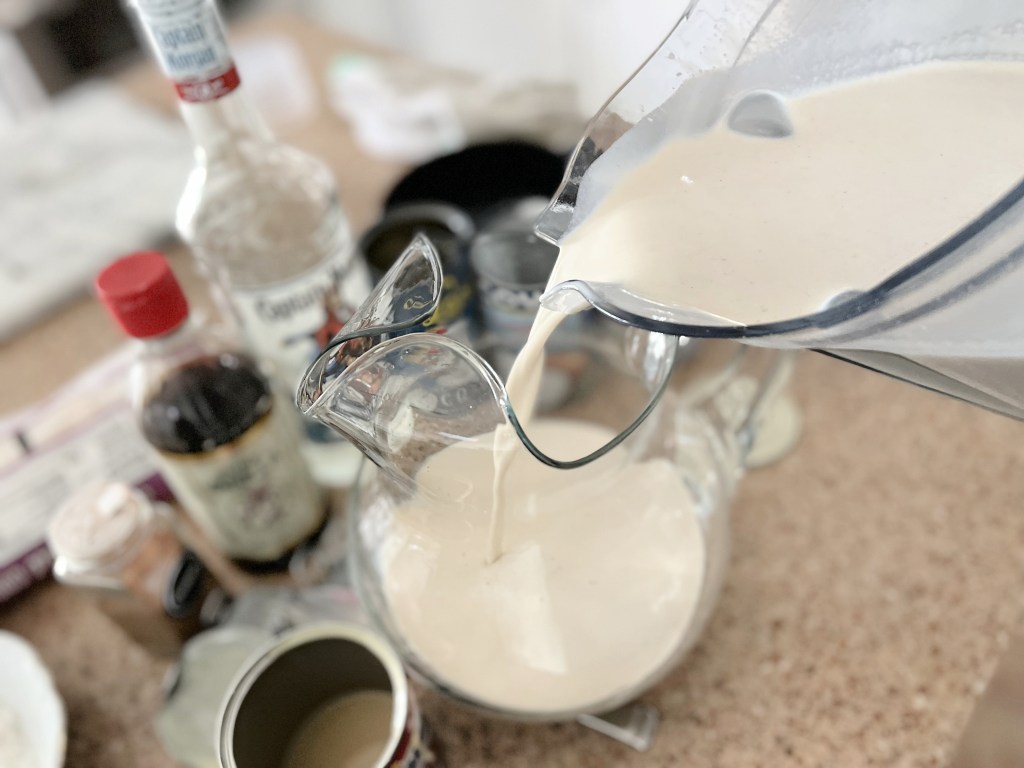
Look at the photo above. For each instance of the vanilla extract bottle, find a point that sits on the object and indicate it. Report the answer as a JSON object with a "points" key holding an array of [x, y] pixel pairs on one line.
{"points": [[227, 447]]}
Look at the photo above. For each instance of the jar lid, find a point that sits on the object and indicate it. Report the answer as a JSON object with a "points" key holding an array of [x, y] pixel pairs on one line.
{"points": [[98, 522]]}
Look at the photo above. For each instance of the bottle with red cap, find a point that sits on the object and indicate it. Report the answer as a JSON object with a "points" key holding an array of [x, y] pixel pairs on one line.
{"points": [[227, 448]]}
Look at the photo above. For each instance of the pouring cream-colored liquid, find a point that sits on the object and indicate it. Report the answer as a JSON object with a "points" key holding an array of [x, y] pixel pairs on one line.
{"points": [[876, 173], [546, 590]]}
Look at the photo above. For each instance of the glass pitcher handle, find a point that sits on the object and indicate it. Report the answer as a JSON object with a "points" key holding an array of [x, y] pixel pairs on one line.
{"points": [[664, 375]]}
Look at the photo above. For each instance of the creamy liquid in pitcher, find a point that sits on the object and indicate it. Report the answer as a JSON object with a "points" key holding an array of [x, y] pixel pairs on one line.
{"points": [[548, 590], [601, 572]]}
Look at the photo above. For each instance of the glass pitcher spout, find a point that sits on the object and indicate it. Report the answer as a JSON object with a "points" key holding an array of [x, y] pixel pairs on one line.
{"points": [[402, 302], [393, 389], [949, 319], [400, 389]]}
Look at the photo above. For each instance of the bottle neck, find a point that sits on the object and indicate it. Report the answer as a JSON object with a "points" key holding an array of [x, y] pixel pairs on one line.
{"points": [[158, 357], [187, 38], [221, 126], [184, 341]]}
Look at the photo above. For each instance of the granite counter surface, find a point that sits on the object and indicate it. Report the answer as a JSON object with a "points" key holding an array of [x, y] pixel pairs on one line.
{"points": [[877, 577]]}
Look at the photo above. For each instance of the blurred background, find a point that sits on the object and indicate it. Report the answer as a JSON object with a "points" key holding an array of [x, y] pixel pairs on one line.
{"points": [[48, 45], [86, 122]]}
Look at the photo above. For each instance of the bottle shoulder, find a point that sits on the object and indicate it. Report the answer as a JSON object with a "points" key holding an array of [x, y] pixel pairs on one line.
{"points": [[243, 213], [156, 358], [264, 175]]}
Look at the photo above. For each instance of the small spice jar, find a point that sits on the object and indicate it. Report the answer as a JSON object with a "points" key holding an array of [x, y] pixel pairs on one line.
{"points": [[109, 539]]}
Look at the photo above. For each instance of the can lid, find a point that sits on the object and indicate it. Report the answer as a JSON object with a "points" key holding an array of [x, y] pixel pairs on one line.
{"points": [[98, 522], [142, 294], [201, 678]]}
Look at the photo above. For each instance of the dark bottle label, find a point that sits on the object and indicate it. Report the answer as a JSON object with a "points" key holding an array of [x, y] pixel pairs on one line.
{"points": [[232, 458]]}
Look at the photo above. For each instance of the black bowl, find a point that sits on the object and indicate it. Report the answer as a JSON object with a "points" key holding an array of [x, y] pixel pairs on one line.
{"points": [[481, 177]]}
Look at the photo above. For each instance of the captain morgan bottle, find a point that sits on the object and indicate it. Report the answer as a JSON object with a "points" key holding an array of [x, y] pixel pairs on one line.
{"points": [[263, 218]]}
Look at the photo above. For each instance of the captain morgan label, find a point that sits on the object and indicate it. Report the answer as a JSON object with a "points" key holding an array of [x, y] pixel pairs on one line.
{"points": [[290, 322], [188, 40]]}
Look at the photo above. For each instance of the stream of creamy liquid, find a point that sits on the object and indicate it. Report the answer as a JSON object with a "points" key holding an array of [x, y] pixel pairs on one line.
{"points": [[524, 385]]}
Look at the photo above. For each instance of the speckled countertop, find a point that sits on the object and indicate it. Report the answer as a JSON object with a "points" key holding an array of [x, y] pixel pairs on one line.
{"points": [[877, 577]]}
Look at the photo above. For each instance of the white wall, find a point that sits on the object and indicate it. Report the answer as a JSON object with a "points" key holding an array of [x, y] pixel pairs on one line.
{"points": [[595, 44]]}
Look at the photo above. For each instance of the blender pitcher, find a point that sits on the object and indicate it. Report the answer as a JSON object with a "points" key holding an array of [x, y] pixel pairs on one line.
{"points": [[402, 394], [949, 320]]}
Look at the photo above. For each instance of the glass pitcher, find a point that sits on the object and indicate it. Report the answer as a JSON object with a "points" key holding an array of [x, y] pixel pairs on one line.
{"points": [[949, 320], [403, 395]]}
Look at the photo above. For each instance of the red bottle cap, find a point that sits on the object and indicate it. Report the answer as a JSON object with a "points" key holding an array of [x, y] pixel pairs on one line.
{"points": [[142, 295]]}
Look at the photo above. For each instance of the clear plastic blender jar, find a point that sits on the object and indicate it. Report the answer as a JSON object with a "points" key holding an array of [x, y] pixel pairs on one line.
{"points": [[948, 320]]}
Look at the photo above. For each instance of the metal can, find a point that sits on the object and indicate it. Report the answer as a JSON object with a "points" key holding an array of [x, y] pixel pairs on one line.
{"points": [[450, 230], [310, 668], [513, 266]]}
